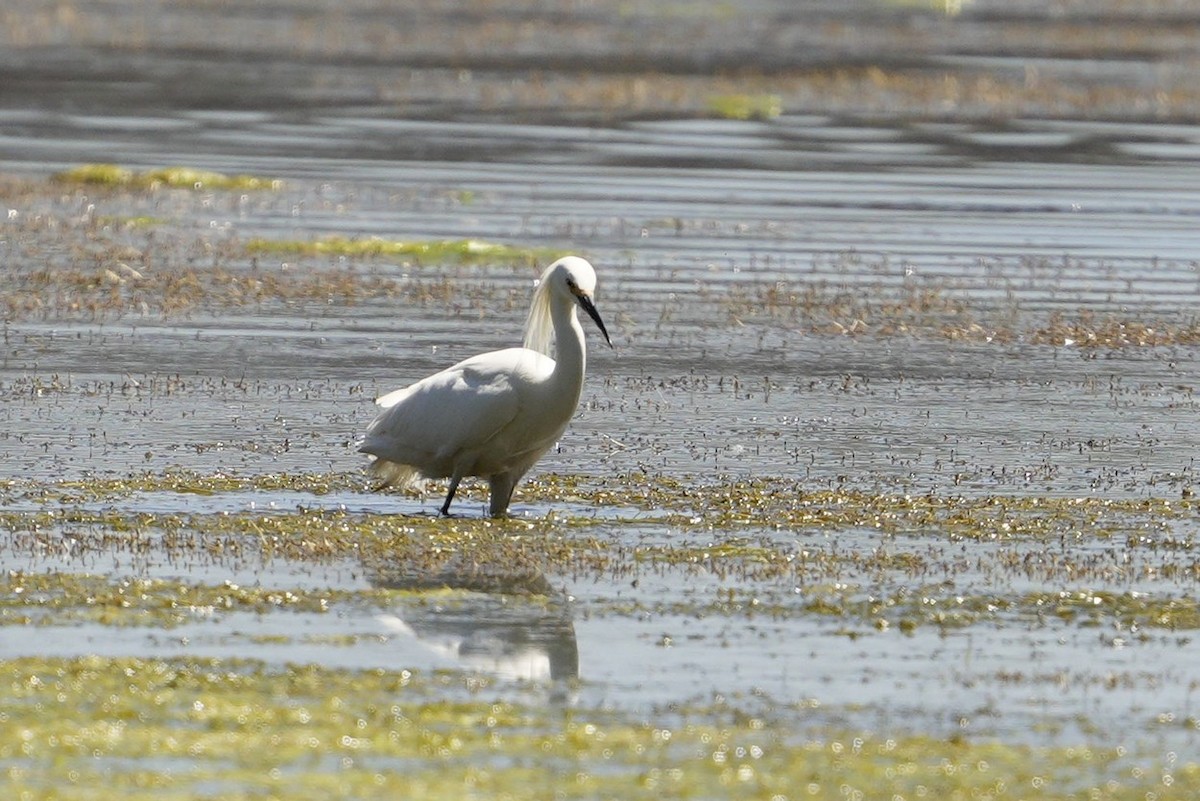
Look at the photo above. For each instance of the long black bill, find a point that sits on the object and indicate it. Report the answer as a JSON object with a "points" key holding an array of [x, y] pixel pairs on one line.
{"points": [[586, 303]]}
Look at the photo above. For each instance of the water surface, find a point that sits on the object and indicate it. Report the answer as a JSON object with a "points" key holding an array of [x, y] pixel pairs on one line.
{"points": [[846, 298]]}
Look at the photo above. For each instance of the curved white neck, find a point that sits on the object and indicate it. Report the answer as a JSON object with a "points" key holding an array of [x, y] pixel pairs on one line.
{"points": [[570, 355]]}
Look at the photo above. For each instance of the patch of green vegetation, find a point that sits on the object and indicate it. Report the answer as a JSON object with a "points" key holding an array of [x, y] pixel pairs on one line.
{"points": [[108, 728], [746, 106], [440, 251], [426, 544], [1122, 612], [765, 530], [757, 530], [729, 505], [737, 548], [177, 177], [31, 598], [761, 534], [187, 481], [101, 174], [857, 610], [947, 7], [142, 221]]}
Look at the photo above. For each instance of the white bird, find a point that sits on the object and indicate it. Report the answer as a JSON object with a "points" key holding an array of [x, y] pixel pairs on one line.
{"points": [[495, 414]]}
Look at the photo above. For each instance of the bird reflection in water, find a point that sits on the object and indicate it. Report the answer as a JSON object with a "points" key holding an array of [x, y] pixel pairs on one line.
{"points": [[507, 622]]}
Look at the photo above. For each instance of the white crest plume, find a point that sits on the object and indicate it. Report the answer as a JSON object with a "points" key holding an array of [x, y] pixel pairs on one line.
{"points": [[539, 328]]}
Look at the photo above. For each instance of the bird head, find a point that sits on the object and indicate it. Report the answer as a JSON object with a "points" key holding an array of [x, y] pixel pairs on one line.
{"points": [[577, 277], [571, 279]]}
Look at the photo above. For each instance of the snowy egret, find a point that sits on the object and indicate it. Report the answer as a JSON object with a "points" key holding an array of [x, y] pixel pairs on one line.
{"points": [[495, 414]]}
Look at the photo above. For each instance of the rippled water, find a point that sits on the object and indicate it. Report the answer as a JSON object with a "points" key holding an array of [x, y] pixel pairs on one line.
{"points": [[689, 221]]}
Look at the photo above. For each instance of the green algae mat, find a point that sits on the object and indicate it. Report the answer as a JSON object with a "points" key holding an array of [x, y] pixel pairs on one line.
{"points": [[99, 728], [280, 685]]}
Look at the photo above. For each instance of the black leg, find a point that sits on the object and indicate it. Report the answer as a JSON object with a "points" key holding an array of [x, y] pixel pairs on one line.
{"points": [[450, 496], [502, 491]]}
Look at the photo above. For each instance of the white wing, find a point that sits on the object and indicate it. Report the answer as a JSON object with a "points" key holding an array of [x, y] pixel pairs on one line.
{"points": [[429, 424]]}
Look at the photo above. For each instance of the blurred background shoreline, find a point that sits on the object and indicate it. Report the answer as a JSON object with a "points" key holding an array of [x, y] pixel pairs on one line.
{"points": [[604, 61]]}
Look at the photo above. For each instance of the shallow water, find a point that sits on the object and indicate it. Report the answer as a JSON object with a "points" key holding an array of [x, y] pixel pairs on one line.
{"points": [[697, 226]]}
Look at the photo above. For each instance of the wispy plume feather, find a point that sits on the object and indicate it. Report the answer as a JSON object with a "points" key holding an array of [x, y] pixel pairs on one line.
{"points": [[539, 328]]}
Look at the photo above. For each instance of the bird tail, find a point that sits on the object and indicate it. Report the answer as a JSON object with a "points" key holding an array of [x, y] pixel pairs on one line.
{"points": [[393, 474]]}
